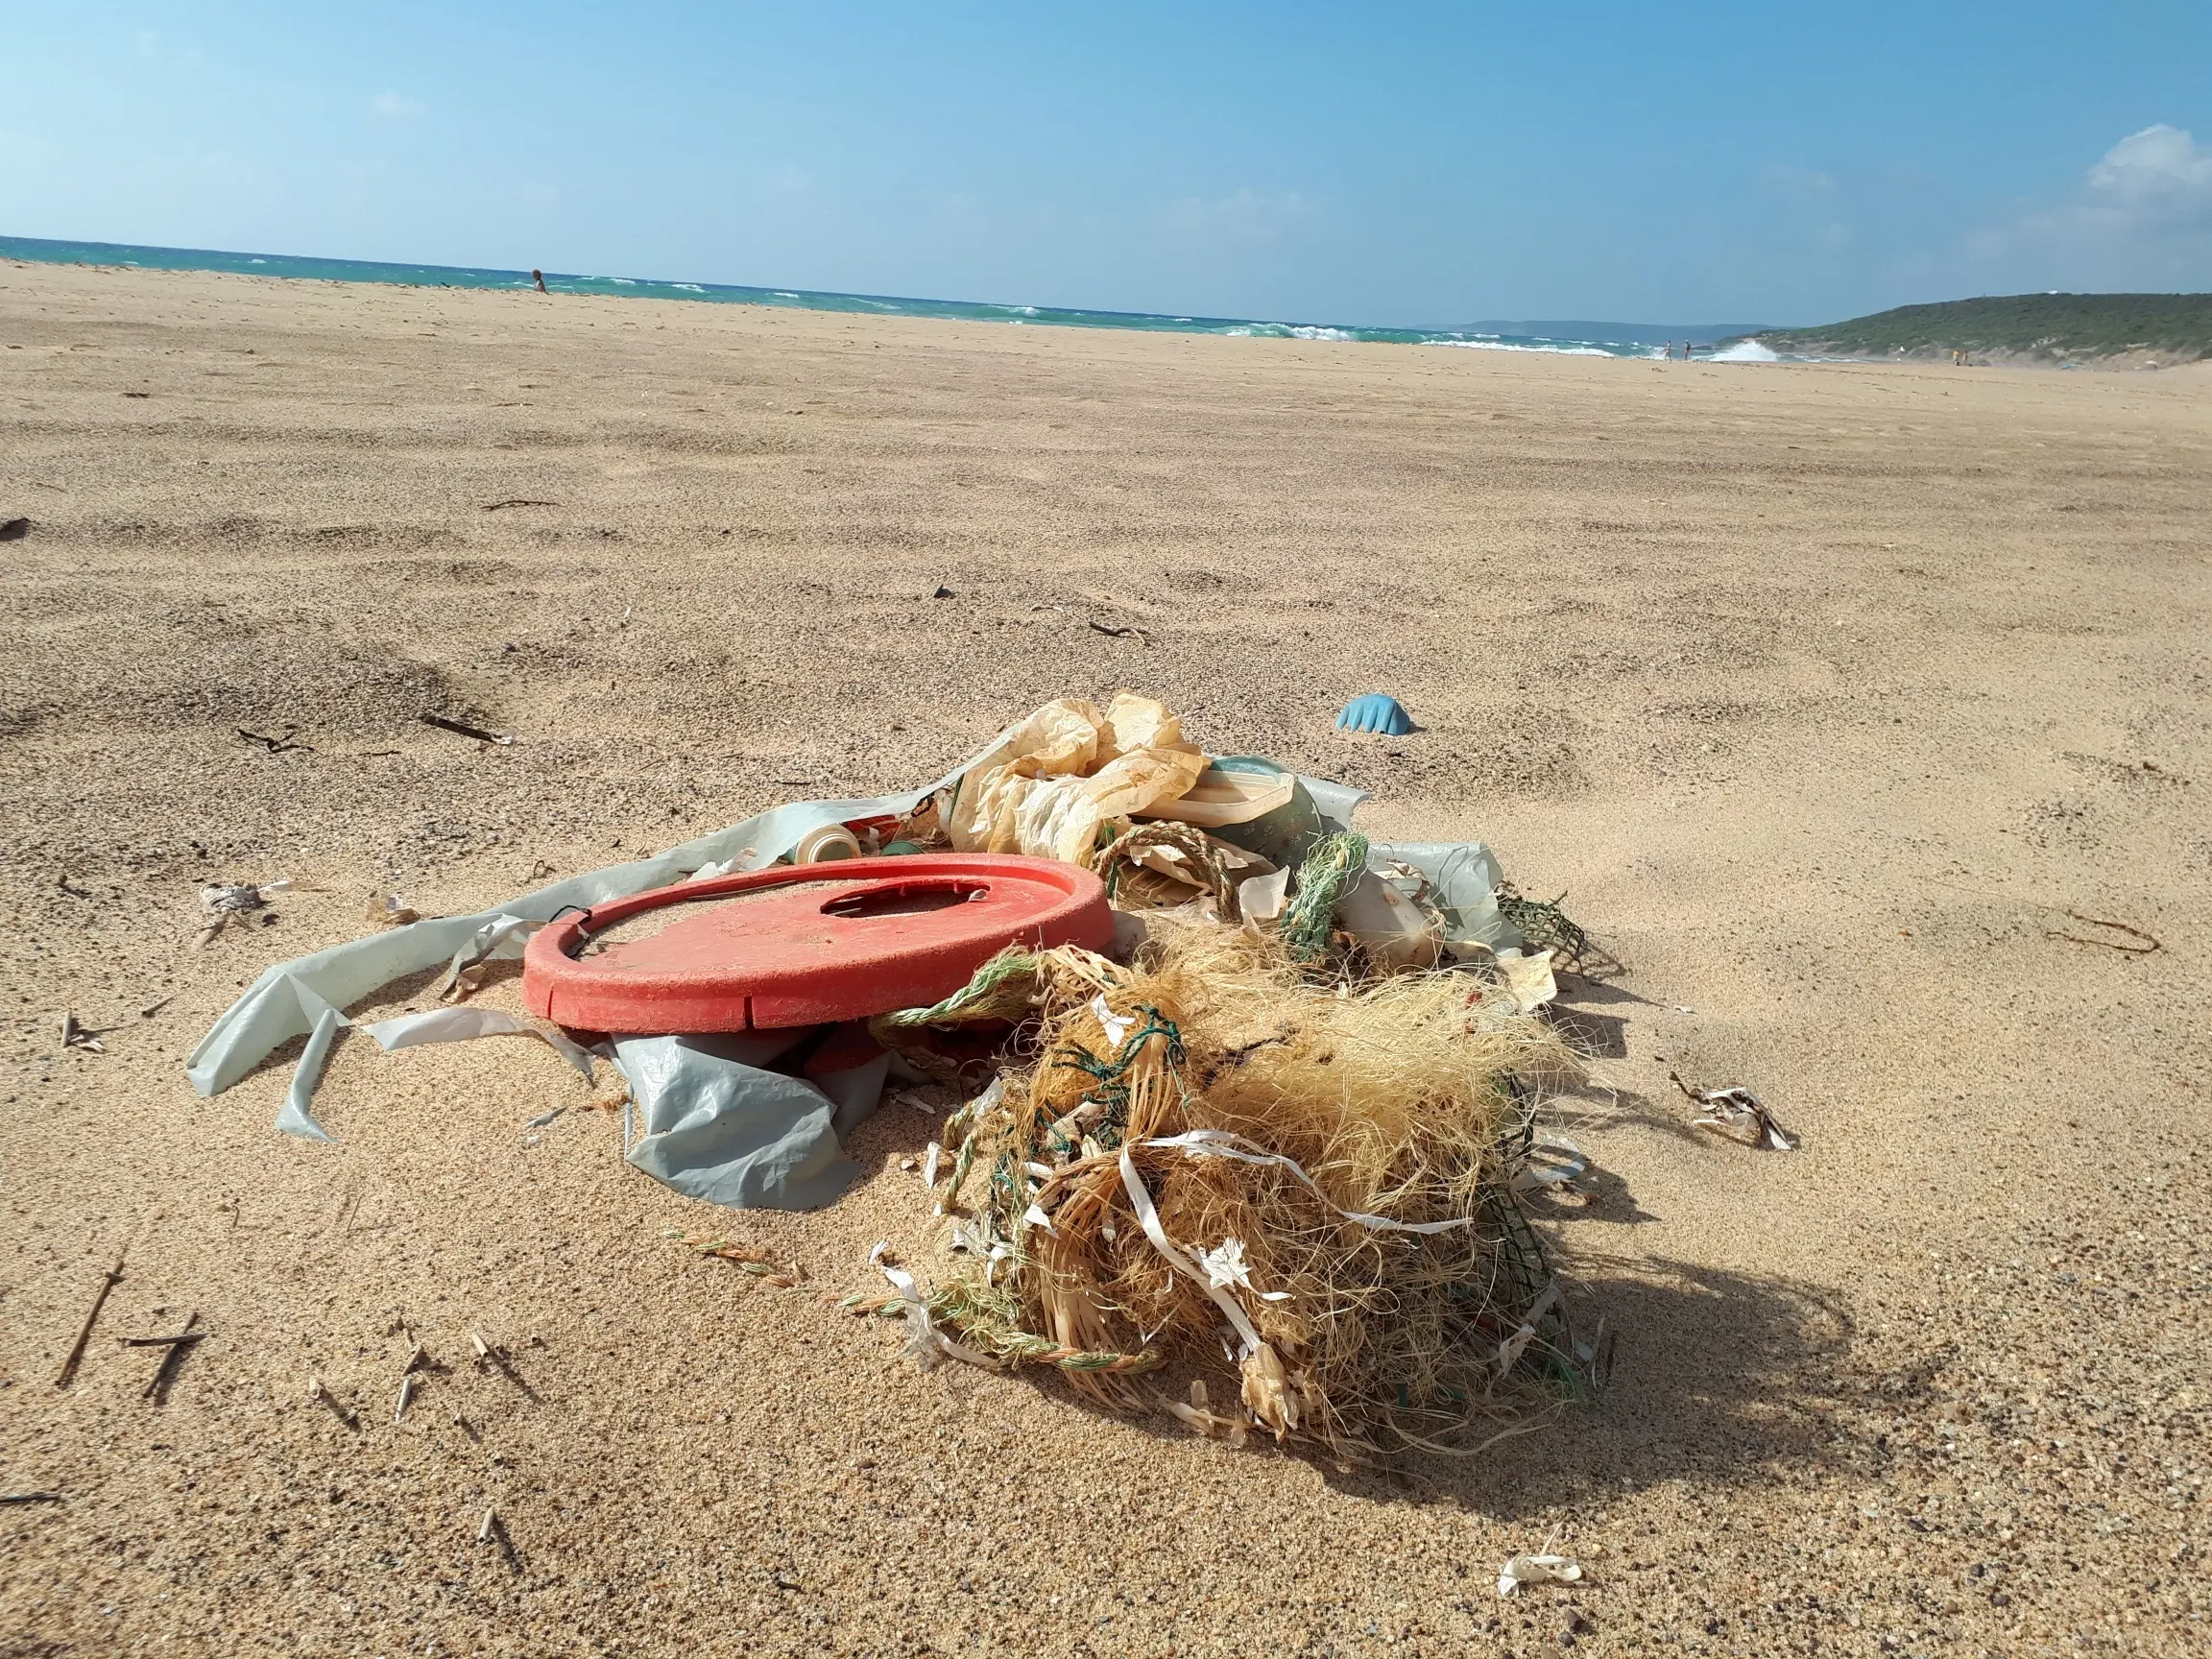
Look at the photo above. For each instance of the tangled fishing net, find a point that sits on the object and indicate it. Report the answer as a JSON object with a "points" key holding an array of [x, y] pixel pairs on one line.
{"points": [[1292, 1192]]}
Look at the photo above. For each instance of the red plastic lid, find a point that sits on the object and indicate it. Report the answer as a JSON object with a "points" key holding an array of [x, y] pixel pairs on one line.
{"points": [[806, 945]]}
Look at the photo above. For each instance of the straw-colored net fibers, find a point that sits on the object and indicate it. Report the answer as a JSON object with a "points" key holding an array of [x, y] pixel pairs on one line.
{"points": [[1206, 1165]]}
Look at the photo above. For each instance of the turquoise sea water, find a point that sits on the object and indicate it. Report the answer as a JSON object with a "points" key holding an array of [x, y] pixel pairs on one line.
{"points": [[1624, 341]]}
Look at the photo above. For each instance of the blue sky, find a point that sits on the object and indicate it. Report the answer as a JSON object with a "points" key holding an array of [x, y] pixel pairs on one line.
{"points": [[1380, 164]]}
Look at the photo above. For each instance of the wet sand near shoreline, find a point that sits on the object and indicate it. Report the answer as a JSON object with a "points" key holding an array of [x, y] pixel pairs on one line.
{"points": [[1842, 704]]}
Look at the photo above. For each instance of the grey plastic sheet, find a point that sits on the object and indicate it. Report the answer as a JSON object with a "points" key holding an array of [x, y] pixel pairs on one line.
{"points": [[289, 999]]}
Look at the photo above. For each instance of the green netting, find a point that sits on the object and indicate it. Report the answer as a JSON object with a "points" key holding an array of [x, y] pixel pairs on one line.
{"points": [[1331, 867], [1542, 923]]}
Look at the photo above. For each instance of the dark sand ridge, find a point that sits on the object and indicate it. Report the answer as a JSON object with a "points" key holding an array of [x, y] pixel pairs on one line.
{"points": [[1825, 693]]}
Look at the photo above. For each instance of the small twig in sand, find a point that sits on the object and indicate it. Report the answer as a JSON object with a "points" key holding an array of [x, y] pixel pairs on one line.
{"points": [[462, 729], [84, 1335], [1122, 633], [406, 1393], [318, 1389], [517, 501], [491, 1529], [157, 1388], [2137, 943], [278, 745], [29, 1496], [161, 1341], [497, 1358]]}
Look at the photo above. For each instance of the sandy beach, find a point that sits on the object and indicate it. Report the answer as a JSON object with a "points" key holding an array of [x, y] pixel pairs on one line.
{"points": [[1841, 703]]}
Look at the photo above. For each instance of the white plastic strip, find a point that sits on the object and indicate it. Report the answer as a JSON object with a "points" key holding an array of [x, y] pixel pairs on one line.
{"points": [[1510, 1350], [1148, 1219], [1520, 1570], [925, 1345], [1553, 1162], [465, 1026], [1221, 1144], [1115, 1027]]}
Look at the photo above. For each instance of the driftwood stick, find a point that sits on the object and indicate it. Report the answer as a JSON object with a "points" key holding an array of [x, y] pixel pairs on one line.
{"points": [[84, 1335]]}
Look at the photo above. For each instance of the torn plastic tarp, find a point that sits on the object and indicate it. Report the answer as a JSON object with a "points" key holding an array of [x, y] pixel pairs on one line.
{"points": [[321, 1021]]}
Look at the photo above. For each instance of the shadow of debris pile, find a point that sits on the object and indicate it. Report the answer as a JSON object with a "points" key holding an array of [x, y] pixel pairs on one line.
{"points": [[1718, 1377]]}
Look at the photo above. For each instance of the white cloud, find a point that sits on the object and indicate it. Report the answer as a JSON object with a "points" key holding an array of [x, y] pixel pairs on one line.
{"points": [[1243, 217], [2149, 186], [2160, 175], [2140, 218], [396, 105]]}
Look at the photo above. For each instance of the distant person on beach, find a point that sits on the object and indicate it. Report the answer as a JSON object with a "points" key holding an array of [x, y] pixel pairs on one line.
{"points": [[538, 277]]}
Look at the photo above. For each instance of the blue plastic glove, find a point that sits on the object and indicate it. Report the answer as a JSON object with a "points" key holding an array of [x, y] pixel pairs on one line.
{"points": [[1375, 713]]}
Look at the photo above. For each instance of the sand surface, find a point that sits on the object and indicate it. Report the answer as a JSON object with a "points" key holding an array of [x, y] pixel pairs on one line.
{"points": [[1825, 694]]}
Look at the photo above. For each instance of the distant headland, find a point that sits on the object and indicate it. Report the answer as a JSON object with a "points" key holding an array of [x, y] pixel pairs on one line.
{"points": [[2044, 330]]}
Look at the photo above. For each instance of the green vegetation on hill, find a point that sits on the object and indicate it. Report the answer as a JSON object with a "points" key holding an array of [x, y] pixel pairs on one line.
{"points": [[2054, 328]]}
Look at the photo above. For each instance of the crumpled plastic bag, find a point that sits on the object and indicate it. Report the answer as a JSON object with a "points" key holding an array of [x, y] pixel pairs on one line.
{"points": [[714, 1124], [1047, 786], [1388, 925]]}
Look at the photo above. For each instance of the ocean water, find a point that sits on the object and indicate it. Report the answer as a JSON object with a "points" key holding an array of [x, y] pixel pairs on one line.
{"points": [[1586, 340]]}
